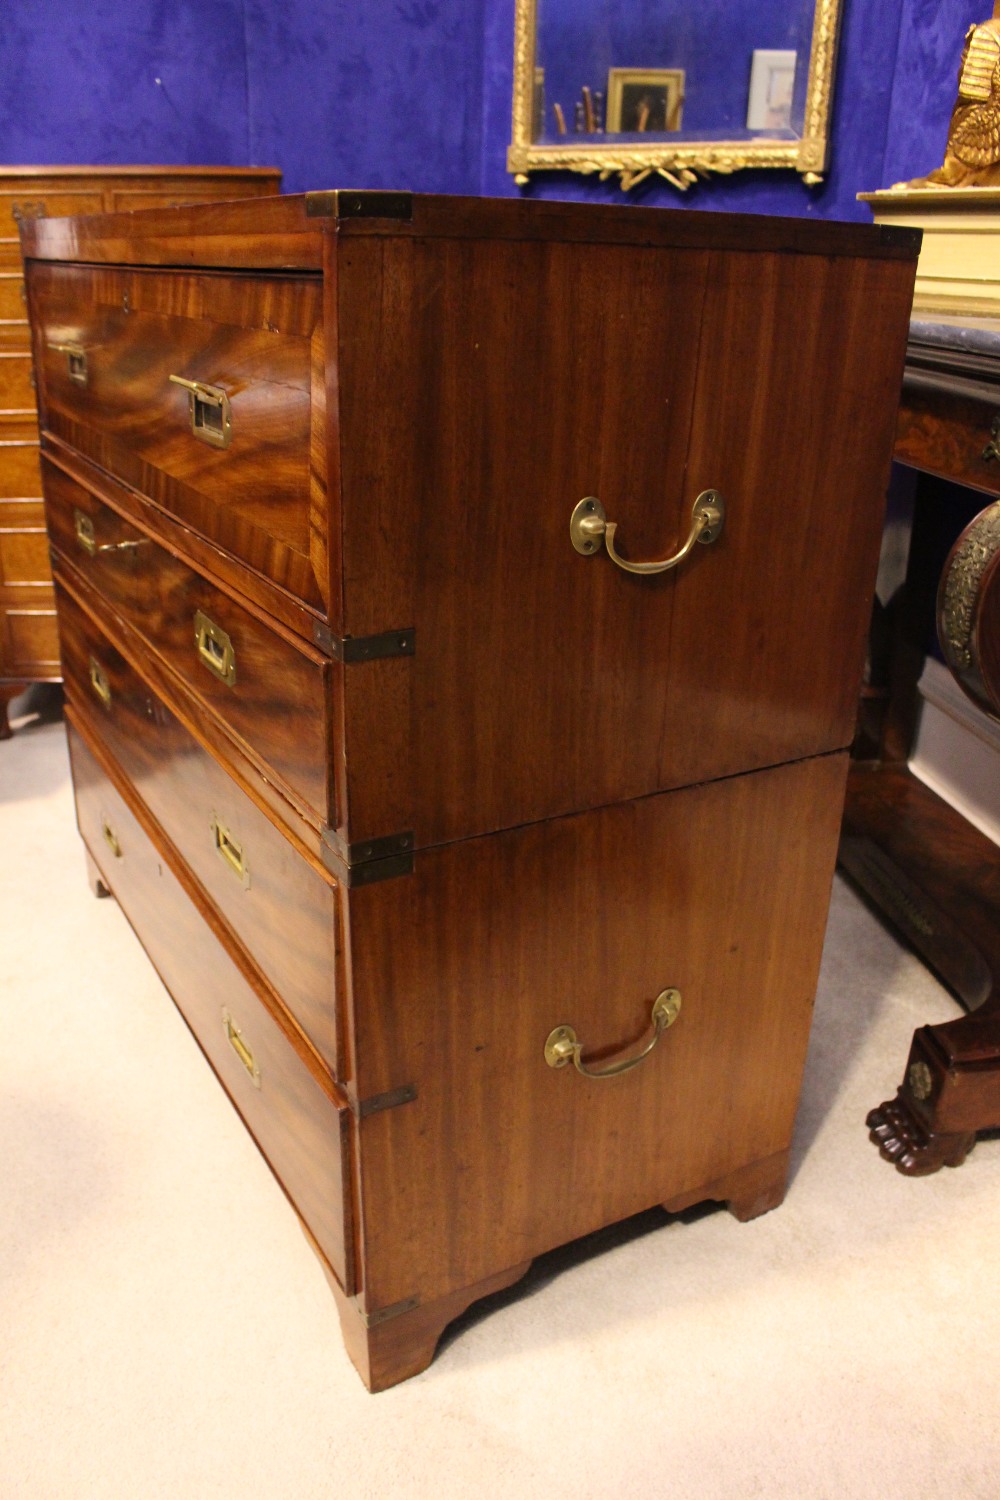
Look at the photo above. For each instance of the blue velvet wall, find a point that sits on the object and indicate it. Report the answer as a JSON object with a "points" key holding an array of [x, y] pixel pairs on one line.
{"points": [[412, 93], [356, 93]]}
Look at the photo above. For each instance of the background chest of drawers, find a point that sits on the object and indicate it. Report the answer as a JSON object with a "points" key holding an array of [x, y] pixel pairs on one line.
{"points": [[29, 646], [423, 809]]}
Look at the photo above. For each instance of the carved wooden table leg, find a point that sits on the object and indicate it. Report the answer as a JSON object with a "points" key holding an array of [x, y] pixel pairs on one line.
{"points": [[937, 879]]}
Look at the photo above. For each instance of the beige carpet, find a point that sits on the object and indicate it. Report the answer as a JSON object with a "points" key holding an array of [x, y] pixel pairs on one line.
{"points": [[166, 1332]]}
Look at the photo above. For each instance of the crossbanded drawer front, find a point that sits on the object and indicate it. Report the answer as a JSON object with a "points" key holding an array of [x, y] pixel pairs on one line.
{"points": [[266, 690], [300, 1129], [196, 389], [282, 910]]}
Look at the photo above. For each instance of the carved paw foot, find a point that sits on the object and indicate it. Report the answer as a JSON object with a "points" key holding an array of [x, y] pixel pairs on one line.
{"points": [[913, 1149]]}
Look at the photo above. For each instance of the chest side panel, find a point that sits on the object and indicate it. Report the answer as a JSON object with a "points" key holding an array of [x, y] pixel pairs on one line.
{"points": [[799, 377], [511, 379]]}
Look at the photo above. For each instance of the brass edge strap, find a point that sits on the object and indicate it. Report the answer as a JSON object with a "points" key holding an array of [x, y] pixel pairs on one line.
{"points": [[383, 1314], [362, 1108], [364, 647], [337, 204], [369, 860], [902, 235]]}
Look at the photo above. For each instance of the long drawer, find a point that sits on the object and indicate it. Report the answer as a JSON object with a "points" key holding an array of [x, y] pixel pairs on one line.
{"points": [[280, 907], [299, 1127], [267, 689], [195, 388]]}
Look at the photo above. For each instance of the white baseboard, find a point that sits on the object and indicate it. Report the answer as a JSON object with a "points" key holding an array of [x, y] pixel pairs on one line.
{"points": [[956, 750]]}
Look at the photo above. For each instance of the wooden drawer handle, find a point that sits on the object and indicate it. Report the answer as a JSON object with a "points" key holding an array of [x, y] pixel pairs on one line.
{"points": [[99, 682], [211, 414], [589, 524], [215, 649], [238, 1042], [76, 361], [561, 1045]]}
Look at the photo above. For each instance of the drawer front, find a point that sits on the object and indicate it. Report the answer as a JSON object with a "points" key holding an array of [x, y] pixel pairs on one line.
{"points": [[24, 547], [13, 306], [29, 640], [268, 692], [16, 390], [44, 203], [298, 1127], [19, 470], [196, 390], [953, 436], [280, 908]]}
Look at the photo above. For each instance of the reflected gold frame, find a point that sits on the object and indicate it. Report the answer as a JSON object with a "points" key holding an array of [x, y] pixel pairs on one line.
{"points": [[669, 81], [680, 162]]}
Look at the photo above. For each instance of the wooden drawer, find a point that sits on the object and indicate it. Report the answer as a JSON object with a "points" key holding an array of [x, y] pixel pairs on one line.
{"points": [[13, 307], [113, 341], [299, 1127], [279, 906], [24, 547], [44, 203], [949, 436], [29, 640], [272, 696], [16, 390], [19, 471]]}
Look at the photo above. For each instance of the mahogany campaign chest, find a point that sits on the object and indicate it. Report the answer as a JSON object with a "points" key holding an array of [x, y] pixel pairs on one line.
{"points": [[490, 875], [29, 647]]}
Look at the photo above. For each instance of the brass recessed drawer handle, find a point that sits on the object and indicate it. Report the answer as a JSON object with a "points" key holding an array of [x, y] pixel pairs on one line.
{"points": [[589, 525], [86, 537], [76, 361], [991, 452], [215, 649], [111, 838], [211, 414], [230, 852], [561, 1045], [238, 1042], [99, 682]]}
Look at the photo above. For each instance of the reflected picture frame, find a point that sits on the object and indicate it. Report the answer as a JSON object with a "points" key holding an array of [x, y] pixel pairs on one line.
{"points": [[681, 161], [641, 99]]}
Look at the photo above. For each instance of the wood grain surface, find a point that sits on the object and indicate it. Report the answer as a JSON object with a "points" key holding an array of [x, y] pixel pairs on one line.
{"points": [[285, 910], [297, 1123], [948, 436], [528, 376], [277, 705], [460, 971], [249, 338]]}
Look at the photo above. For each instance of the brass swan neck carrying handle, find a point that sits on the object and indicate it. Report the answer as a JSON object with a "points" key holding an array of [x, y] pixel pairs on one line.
{"points": [[589, 524], [561, 1045]]}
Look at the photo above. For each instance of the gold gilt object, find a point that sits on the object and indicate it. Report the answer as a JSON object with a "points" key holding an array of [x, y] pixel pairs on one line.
{"points": [[562, 1047], [972, 155], [678, 161], [589, 526]]}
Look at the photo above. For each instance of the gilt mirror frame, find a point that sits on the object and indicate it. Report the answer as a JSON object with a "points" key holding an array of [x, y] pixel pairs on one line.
{"points": [[680, 162]]}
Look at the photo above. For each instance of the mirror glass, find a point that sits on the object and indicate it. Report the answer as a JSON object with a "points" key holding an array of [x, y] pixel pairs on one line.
{"points": [[647, 71]]}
